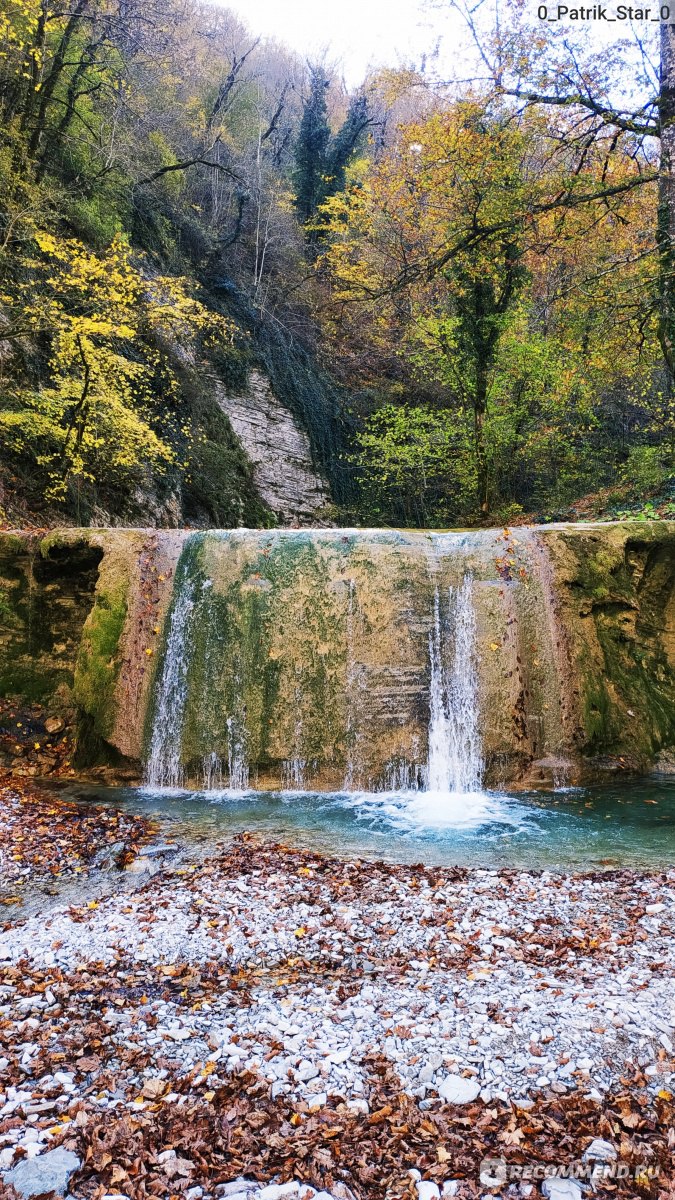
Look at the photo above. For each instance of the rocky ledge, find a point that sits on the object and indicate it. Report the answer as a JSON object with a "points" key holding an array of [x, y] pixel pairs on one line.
{"points": [[271, 1017]]}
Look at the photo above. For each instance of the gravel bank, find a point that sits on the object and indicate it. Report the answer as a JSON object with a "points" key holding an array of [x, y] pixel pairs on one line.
{"points": [[312, 990]]}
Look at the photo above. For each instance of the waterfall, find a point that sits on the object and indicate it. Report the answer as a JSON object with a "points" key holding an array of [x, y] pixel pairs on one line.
{"points": [[454, 762], [323, 661], [164, 768], [237, 759]]}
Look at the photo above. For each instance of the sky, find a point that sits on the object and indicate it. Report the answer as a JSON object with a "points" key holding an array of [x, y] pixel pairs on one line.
{"points": [[359, 33]]}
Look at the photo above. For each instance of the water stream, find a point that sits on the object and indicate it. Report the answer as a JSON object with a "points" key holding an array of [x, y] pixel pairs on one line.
{"points": [[164, 767], [455, 757]]}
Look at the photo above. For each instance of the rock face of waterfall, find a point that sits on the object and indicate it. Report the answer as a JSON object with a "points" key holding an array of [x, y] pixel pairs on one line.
{"points": [[364, 659]]}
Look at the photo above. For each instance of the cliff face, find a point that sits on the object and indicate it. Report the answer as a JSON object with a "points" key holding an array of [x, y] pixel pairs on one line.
{"points": [[614, 595], [305, 655], [279, 450]]}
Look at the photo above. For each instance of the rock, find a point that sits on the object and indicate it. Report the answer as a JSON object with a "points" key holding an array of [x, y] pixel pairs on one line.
{"points": [[54, 725], [236, 1187], [340, 1056], [426, 1190], [655, 908], [279, 449], [450, 1188], [557, 1188], [49, 1172], [276, 1191], [307, 1071], [600, 1151], [455, 1089], [342, 1192]]}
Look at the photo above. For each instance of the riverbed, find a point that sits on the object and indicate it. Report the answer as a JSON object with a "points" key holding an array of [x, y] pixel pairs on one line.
{"points": [[238, 1007]]}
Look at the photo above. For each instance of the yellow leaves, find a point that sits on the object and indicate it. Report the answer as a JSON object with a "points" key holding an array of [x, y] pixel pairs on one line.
{"points": [[47, 243]]}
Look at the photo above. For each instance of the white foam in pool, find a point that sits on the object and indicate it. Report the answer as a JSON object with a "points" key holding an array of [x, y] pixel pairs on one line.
{"points": [[437, 810]]}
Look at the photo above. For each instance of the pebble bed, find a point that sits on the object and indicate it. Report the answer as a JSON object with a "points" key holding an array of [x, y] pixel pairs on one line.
{"points": [[488, 985]]}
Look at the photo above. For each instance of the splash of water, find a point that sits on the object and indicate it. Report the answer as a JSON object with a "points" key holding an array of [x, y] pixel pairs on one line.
{"points": [[455, 759], [164, 767]]}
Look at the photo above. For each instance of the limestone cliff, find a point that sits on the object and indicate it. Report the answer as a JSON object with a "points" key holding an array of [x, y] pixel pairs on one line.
{"points": [[279, 450]]}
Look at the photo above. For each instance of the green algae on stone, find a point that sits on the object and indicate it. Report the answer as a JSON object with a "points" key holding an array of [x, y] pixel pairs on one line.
{"points": [[99, 659], [616, 584], [46, 594]]}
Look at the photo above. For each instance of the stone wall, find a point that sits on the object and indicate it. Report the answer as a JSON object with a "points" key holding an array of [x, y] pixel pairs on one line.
{"points": [[279, 449]]}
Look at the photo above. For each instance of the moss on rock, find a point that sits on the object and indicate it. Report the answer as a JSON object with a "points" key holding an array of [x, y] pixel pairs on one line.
{"points": [[616, 586]]}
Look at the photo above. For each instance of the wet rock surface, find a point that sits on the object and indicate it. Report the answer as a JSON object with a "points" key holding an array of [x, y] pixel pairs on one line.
{"points": [[282, 1017]]}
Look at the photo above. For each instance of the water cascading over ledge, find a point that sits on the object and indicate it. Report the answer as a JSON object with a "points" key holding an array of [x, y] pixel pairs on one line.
{"points": [[362, 660], [321, 658]]}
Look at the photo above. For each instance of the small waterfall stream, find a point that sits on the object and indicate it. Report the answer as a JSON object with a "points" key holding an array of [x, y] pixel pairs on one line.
{"points": [[164, 767], [455, 759]]}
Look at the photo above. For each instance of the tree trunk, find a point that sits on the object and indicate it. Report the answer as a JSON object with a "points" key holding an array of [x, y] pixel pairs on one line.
{"points": [[479, 411], [665, 235]]}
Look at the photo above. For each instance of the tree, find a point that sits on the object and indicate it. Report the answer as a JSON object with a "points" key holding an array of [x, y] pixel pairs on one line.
{"points": [[321, 159], [311, 150], [521, 310], [543, 69], [447, 176], [91, 421]]}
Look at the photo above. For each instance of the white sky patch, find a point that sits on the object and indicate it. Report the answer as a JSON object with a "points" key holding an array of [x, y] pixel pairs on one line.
{"points": [[358, 33]]}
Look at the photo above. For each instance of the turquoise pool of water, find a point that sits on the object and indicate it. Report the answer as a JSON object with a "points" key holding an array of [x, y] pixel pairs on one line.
{"points": [[623, 824]]}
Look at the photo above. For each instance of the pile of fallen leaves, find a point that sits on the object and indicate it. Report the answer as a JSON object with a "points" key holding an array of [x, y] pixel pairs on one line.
{"points": [[44, 836], [240, 1131]]}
